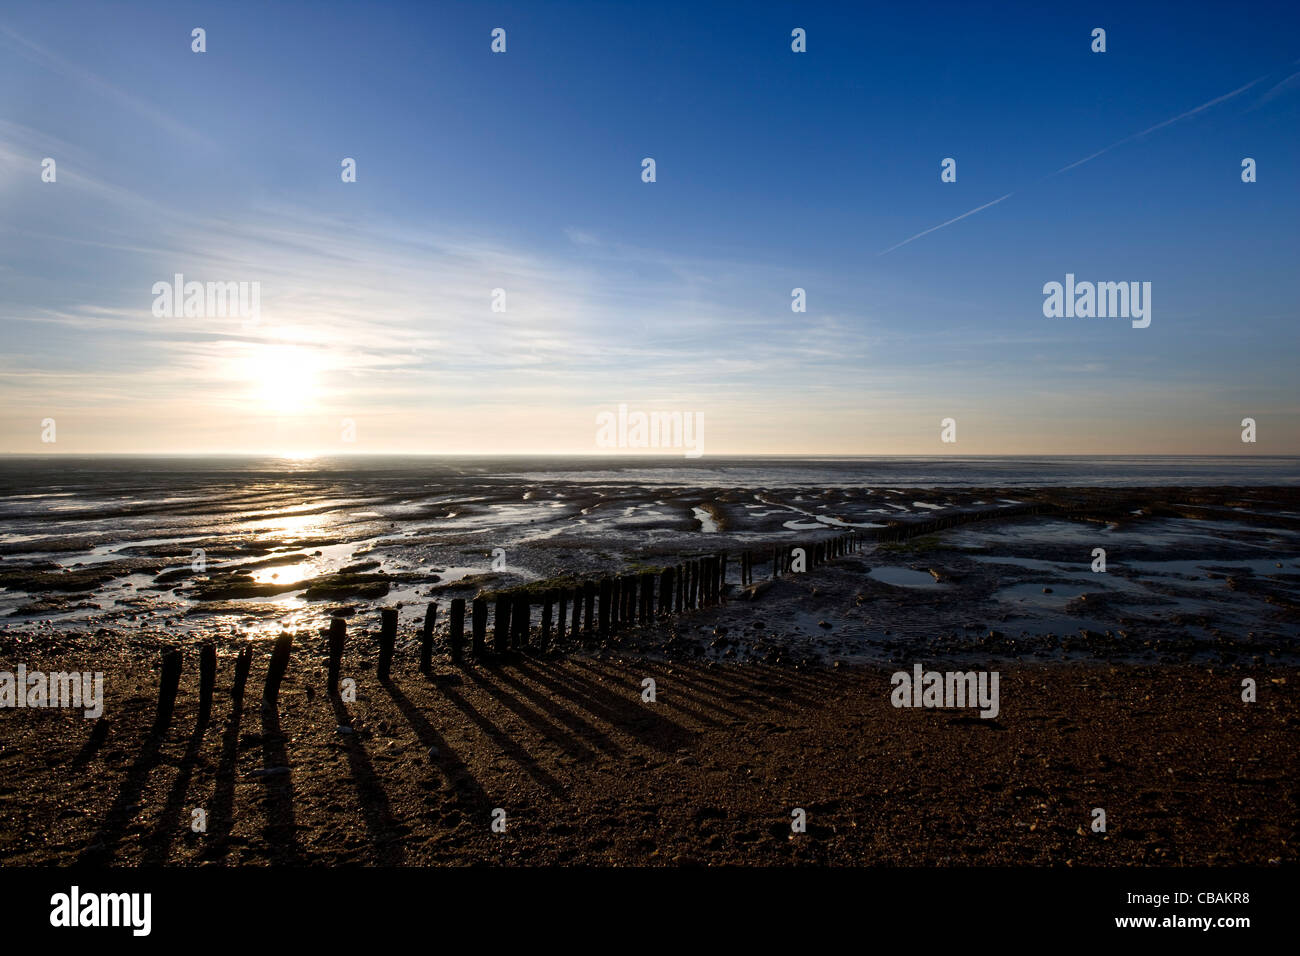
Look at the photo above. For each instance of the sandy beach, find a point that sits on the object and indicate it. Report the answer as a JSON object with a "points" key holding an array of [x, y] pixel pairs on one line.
{"points": [[1120, 689], [586, 772]]}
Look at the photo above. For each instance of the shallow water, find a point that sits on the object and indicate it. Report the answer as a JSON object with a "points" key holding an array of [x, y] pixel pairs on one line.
{"points": [[905, 578], [429, 523]]}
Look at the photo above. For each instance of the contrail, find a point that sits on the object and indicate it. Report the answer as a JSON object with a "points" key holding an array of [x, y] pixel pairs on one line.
{"points": [[1152, 129], [1107, 149], [948, 223]]}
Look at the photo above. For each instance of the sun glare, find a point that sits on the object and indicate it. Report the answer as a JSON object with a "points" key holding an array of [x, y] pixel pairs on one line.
{"points": [[283, 379]]}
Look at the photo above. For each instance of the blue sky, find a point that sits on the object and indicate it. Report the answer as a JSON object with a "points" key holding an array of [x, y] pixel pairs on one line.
{"points": [[521, 171]]}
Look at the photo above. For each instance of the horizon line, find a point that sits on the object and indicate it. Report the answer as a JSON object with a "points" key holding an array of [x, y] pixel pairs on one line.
{"points": [[306, 456]]}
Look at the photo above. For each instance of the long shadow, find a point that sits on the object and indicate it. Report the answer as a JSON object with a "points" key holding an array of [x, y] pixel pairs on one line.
{"points": [[681, 683], [573, 746], [467, 790], [634, 718], [503, 740], [221, 810], [102, 848], [576, 722], [98, 734], [752, 686], [680, 688], [672, 700], [735, 686], [159, 842], [803, 681], [281, 829], [375, 808]]}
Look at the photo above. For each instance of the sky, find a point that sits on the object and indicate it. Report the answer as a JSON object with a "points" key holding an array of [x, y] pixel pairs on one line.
{"points": [[523, 171]]}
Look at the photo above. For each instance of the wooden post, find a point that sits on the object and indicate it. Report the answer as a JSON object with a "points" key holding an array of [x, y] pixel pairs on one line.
{"points": [[168, 683], [680, 575], [606, 591], [338, 637], [426, 638], [275, 670], [207, 679], [521, 619], [576, 623], [545, 640], [722, 575], [589, 607], [243, 661], [478, 626], [501, 631], [616, 603], [560, 618], [387, 640], [666, 591], [457, 635]]}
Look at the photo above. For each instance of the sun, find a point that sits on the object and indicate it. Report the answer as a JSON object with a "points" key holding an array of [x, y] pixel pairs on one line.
{"points": [[283, 379]]}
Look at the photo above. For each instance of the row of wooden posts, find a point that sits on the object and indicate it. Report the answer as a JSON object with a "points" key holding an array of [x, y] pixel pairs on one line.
{"points": [[592, 607], [589, 608]]}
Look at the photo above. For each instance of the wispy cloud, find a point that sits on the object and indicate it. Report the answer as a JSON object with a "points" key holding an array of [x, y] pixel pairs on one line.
{"points": [[97, 84]]}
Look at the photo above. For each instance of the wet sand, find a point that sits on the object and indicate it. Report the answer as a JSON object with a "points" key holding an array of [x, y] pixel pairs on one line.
{"points": [[1206, 574], [588, 773], [1119, 690]]}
